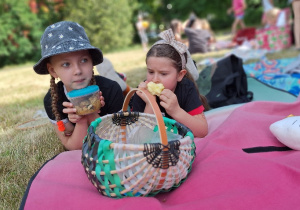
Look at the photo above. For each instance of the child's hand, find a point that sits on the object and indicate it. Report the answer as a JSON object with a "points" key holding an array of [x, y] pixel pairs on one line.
{"points": [[143, 86], [71, 111], [169, 101], [101, 101]]}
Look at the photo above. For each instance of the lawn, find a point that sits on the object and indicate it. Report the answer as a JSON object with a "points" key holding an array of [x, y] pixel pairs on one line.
{"points": [[23, 152]]}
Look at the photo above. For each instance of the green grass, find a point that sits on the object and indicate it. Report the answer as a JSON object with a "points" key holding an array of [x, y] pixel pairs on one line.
{"points": [[23, 152]]}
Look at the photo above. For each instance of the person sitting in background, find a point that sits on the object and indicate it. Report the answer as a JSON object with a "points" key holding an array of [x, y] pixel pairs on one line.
{"points": [[198, 37], [276, 17], [206, 26], [267, 6], [176, 26]]}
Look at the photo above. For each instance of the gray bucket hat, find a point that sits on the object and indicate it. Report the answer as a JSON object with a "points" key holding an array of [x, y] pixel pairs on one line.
{"points": [[63, 37]]}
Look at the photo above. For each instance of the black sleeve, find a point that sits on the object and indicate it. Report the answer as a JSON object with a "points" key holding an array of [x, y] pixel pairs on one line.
{"points": [[137, 104], [112, 93], [187, 95]]}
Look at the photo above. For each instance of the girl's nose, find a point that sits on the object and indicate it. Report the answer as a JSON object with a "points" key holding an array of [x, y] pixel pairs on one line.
{"points": [[155, 78], [77, 69]]}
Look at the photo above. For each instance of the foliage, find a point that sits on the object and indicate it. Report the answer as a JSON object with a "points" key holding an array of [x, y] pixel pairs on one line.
{"points": [[215, 11], [50, 11], [19, 32], [107, 23], [110, 24]]}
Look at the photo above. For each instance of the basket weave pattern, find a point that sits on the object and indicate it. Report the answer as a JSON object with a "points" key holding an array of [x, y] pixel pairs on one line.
{"points": [[125, 169]]}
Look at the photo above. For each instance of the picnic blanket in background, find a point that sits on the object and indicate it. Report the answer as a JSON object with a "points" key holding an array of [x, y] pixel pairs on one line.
{"points": [[208, 61], [244, 52], [273, 73], [274, 38]]}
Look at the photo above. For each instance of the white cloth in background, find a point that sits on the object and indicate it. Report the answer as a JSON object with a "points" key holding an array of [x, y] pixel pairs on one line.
{"points": [[106, 69], [247, 52], [281, 20], [267, 5]]}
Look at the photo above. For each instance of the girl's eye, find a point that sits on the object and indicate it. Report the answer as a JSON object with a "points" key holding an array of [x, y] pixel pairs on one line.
{"points": [[66, 64], [84, 60]]}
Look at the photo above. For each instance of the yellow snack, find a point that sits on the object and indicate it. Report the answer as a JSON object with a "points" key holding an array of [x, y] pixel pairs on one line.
{"points": [[145, 24], [155, 89]]}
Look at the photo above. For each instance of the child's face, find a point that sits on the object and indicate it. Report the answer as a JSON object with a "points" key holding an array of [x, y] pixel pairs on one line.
{"points": [[75, 69], [162, 70]]}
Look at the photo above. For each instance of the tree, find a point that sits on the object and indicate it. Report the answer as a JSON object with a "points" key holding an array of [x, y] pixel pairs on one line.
{"points": [[163, 11], [19, 32], [107, 22], [50, 11]]}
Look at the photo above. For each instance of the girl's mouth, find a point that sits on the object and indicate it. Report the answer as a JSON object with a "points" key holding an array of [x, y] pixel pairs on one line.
{"points": [[79, 81]]}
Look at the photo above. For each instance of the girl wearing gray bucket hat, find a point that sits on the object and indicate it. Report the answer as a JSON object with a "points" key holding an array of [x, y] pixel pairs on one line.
{"points": [[68, 55]]}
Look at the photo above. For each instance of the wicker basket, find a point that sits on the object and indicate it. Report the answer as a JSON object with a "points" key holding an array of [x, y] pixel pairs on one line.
{"points": [[120, 168]]}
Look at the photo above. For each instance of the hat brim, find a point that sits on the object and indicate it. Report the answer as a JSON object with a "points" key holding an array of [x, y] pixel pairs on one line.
{"points": [[41, 66]]}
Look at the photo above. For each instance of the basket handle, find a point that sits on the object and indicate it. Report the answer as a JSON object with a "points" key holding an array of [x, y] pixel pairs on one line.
{"points": [[156, 110]]}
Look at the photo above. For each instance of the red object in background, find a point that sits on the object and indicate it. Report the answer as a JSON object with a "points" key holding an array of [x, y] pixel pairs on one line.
{"points": [[33, 6], [243, 35]]}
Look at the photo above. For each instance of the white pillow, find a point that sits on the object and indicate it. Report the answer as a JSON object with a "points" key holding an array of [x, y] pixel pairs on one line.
{"points": [[287, 131]]}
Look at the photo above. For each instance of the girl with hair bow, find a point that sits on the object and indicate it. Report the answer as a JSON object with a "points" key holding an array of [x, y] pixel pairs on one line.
{"points": [[169, 63]]}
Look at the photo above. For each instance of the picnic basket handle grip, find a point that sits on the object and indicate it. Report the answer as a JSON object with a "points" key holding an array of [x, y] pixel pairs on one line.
{"points": [[155, 108]]}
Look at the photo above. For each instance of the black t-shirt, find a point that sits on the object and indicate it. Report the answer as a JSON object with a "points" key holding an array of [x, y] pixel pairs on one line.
{"points": [[111, 91], [187, 96]]}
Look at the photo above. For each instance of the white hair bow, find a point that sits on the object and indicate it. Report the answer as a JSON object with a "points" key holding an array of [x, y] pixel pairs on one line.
{"points": [[169, 38]]}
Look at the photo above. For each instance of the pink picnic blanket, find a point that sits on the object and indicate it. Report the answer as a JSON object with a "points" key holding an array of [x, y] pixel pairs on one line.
{"points": [[236, 167]]}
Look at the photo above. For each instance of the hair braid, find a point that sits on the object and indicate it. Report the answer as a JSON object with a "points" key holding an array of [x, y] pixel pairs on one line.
{"points": [[93, 81], [54, 96]]}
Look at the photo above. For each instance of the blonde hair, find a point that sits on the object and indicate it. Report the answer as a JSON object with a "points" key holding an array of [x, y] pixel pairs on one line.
{"points": [[205, 25], [272, 15], [174, 25]]}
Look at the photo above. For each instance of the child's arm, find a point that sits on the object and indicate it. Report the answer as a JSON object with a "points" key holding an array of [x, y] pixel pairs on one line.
{"points": [[72, 137], [244, 4], [197, 123]]}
